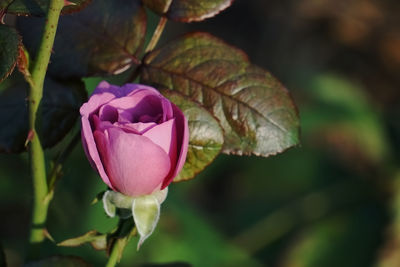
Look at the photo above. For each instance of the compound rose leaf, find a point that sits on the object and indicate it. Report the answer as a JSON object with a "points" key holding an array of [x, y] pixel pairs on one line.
{"points": [[255, 111]]}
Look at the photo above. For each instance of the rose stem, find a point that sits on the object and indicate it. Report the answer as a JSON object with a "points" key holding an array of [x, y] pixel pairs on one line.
{"points": [[119, 245], [37, 160], [157, 34], [115, 253]]}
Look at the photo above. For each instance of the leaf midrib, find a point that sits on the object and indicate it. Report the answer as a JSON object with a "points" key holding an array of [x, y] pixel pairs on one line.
{"points": [[276, 125]]}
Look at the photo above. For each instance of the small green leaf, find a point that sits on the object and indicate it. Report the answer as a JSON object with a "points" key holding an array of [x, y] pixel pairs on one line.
{"points": [[146, 212], [9, 44], [205, 138], [255, 111], [187, 10], [104, 38], [39, 7], [59, 261], [96, 239], [59, 111]]}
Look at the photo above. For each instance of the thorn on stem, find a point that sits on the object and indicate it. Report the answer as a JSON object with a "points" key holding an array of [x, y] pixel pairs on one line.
{"points": [[69, 3], [48, 235], [30, 136]]}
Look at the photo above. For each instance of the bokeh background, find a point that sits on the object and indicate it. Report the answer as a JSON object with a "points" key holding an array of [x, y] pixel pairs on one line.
{"points": [[332, 201]]}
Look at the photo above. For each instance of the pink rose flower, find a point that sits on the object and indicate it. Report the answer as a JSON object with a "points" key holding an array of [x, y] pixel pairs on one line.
{"points": [[135, 138]]}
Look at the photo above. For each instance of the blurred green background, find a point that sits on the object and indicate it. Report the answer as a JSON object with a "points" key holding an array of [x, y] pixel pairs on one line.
{"points": [[332, 201]]}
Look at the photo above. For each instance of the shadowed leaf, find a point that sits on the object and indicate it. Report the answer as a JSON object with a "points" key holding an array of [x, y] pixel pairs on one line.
{"points": [[39, 7], [9, 44], [205, 138], [59, 111], [256, 112], [102, 39], [187, 10]]}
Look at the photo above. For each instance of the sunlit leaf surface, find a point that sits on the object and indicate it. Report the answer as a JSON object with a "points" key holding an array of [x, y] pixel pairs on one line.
{"points": [[255, 111]]}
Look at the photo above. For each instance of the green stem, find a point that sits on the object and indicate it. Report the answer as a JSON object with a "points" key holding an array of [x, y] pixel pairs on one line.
{"points": [[37, 160], [115, 253], [126, 230]]}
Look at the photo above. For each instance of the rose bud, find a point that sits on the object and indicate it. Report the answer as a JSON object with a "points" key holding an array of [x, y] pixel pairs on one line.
{"points": [[135, 138]]}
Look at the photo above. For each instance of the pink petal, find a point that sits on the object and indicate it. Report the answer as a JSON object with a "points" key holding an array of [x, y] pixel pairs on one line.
{"points": [[108, 113], [131, 108], [137, 127], [136, 166], [94, 102], [167, 109], [164, 135], [91, 151], [100, 125], [182, 136], [105, 87], [132, 88]]}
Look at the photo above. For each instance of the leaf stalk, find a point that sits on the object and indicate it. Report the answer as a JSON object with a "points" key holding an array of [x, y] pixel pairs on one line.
{"points": [[156, 35]]}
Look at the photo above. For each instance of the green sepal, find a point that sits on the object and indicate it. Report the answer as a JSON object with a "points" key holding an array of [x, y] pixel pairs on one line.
{"points": [[108, 206], [144, 209], [115, 203], [146, 213]]}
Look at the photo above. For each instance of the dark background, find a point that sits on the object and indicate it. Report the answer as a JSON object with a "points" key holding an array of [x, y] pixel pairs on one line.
{"points": [[332, 201]]}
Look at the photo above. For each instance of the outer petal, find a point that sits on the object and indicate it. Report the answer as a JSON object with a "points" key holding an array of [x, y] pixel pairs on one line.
{"points": [[103, 93], [94, 102], [135, 165], [91, 151], [164, 135], [182, 134]]}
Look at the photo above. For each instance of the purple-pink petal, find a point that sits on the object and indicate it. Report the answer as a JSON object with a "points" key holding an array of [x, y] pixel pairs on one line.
{"points": [[182, 145], [164, 135], [91, 150], [134, 164]]}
